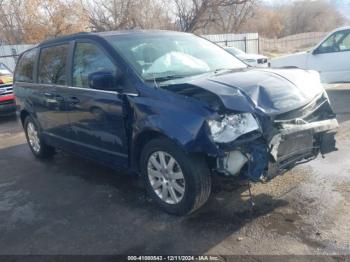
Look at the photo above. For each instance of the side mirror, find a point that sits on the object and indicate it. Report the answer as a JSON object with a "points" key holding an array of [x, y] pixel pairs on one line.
{"points": [[104, 80]]}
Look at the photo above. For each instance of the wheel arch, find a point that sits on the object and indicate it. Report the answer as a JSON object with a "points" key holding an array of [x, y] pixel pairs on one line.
{"points": [[139, 143], [23, 115]]}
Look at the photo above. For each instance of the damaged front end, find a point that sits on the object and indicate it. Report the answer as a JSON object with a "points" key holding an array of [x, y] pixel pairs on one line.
{"points": [[265, 121], [280, 142]]}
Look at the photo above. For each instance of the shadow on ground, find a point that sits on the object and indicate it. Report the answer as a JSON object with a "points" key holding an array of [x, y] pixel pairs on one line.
{"points": [[69, 205]]}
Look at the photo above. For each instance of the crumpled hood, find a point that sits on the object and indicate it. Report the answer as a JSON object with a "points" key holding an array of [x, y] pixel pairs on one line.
{"points": [[272, 91]]}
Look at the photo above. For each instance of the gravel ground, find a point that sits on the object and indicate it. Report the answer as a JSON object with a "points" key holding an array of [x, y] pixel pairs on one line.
{"points": [[68, 205]]}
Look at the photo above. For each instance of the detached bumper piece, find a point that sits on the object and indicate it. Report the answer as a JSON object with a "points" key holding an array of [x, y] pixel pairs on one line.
{"points": [[297, 144], [294, 144]]}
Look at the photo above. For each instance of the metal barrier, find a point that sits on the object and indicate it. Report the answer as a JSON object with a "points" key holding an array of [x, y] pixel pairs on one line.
{"points": [[248, 43]]}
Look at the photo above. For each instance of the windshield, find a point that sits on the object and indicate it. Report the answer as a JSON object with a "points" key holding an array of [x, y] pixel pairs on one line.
{"points": [[168, 56], [4, 71]]}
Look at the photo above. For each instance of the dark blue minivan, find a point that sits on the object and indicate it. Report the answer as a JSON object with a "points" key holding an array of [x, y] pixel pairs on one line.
{"points": [[172, 107]]}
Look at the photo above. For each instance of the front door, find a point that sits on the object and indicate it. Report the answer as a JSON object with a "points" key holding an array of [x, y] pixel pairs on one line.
{"points": [[332, 58], [96, 115]]}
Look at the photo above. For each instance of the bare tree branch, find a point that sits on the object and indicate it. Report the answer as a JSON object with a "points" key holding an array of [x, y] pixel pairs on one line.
{"points": [[194, 15], [106, 15]]}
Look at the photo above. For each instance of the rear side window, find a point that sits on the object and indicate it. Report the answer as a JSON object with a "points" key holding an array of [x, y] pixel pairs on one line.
{"points": [[25, 69], [53, 64]]}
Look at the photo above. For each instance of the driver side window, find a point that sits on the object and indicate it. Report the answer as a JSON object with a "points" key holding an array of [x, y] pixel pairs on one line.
{"points": [[344, 45], [89, 59], [338, 42]]}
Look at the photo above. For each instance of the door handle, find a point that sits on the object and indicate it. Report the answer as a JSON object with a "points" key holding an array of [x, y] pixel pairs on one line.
{"points": [[48, 95], [54, 97], [59, 98], [74, 100]]}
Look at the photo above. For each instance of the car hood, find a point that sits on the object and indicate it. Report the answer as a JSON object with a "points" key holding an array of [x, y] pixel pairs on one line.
{"points": [[253, 56], [270, 91], [6, 79]]}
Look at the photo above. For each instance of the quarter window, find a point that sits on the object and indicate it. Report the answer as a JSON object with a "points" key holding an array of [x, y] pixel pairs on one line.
{"points": [[25, 69], [344, 44], [53, 64], [88, 60]]}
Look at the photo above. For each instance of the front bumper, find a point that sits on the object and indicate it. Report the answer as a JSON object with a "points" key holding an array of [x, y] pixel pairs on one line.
{"points": [[305, 131], [296, 144], [292, 145]]}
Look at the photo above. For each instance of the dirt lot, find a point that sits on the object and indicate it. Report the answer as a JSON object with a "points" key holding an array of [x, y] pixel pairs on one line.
{"points": [[70, 206]]}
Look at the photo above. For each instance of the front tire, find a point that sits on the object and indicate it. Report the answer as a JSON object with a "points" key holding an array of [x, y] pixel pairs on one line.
{"points": [[35, 141], [178, 182]]}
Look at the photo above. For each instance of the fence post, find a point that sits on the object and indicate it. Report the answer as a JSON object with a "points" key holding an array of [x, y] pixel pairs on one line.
{"points": [[245, 44], [258, 45]]}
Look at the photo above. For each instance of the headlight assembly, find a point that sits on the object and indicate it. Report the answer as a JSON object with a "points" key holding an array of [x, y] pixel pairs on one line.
{"points": [[230, 127]]}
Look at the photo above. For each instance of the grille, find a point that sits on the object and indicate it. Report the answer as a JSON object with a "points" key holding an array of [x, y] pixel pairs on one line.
{"points": [[295, 144], [262, 61], [6, 90]]}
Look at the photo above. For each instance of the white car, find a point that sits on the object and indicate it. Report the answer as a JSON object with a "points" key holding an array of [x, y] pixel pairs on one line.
{"points": [[331, 58], [251, 59]]}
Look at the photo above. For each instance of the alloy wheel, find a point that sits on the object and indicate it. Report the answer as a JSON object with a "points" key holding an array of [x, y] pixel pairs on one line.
{"points": [[166, 177], [33, 137]]}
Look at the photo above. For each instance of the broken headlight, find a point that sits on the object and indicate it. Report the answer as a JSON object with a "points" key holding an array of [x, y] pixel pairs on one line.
{"points": [[230, 127]]}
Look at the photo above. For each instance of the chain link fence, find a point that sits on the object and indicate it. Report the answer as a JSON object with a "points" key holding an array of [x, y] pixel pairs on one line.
{"points": [[248, 43], [291, 44]]}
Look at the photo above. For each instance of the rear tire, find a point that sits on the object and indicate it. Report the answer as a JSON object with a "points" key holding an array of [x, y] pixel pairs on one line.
{"points": [[34, 139], [178, 182]]}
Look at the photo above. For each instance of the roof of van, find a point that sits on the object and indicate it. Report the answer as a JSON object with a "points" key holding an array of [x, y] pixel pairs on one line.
{"points": [[107, 33]]}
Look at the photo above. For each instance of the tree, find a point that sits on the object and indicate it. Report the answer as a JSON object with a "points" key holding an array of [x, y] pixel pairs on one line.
{"points": [[106, 15], [35, 20], [289, 18], [52, 18], [194, 15], [268, 22], [11, 20], [306, 16], [231, 19]]}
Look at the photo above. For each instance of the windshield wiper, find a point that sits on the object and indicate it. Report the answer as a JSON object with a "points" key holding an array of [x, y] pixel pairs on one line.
{"points": [[170, 76], [166, 78], [163, 77]]}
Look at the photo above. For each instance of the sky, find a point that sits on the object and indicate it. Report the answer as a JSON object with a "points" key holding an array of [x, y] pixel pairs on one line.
{"points": [[342, 5]]}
